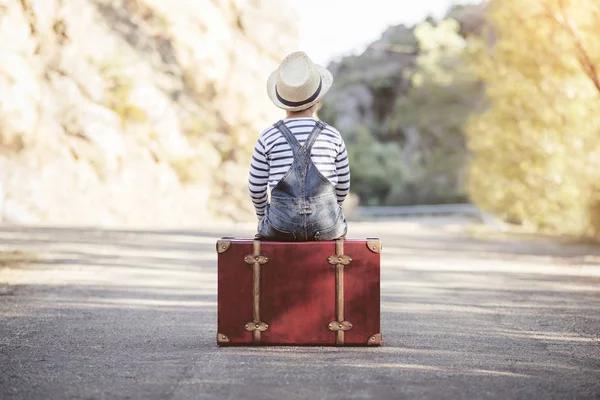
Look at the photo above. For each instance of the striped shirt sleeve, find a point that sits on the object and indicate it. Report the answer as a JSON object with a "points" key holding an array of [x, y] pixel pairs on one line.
{"points": [[343, 173], [258, 179]]}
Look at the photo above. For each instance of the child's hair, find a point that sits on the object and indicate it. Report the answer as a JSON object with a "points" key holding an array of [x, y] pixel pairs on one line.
{"points": [[300, 111]]}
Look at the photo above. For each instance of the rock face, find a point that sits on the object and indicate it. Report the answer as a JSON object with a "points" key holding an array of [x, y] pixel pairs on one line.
{"points": [[134, 112], [368, 85]]}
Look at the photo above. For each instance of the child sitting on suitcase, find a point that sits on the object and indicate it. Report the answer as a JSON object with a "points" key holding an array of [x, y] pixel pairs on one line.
{"points": [[303, 160]]}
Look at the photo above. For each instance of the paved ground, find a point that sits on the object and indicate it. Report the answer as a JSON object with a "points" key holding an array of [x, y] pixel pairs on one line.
{"points": [[91, 314]]}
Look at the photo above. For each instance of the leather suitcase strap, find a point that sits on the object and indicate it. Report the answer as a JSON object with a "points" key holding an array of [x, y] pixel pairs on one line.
{"points": [[256, 326], [339, 260]]}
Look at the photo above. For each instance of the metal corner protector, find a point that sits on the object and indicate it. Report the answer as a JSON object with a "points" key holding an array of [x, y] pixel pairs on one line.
{"points": [[374, 244], [223, 245], [375, 340], [221, 339]]}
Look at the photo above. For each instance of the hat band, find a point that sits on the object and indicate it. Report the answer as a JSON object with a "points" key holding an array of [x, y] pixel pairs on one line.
{"points": [[299, 103]]}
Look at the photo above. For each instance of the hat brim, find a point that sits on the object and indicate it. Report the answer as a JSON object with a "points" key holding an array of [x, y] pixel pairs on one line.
{"points": [[326, 79]]}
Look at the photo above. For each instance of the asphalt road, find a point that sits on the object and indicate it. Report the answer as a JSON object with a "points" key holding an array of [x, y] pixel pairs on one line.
{"points": [[101, 314]]}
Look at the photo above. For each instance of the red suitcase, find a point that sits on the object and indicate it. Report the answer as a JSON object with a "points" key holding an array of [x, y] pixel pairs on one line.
{"points": [[298, 293]]}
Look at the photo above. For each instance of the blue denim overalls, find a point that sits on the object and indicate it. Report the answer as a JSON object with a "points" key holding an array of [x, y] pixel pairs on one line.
{"points": [[303, 205]]}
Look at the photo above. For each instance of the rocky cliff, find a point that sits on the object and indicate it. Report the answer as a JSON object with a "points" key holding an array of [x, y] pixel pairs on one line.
{"points": [[133, 112]]}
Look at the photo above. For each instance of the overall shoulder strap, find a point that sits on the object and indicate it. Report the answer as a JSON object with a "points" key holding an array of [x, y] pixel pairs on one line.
{"points": [[288, 135], [312, 138]]}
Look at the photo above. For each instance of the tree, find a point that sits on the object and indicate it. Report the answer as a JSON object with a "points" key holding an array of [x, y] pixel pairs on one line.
{"points": [[432, 116], [536, 150], [374, 166]]}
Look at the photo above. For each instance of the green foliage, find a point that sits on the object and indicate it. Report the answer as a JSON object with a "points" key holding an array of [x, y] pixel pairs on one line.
{"points": [[413, 149], [188, 169], [433, 114], [12, 143], [536, 151], [376, 171], [119, 89], [118, 101]]}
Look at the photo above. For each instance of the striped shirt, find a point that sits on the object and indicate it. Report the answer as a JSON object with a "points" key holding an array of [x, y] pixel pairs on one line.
{"points": [[273, 157]]}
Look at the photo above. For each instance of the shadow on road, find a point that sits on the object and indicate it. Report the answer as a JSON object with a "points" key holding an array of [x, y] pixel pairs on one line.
{"points": [[96, 314]]}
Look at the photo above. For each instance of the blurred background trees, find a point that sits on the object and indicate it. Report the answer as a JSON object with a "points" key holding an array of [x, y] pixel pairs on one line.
{"points": [[536, 150], [498, 104], [403, 106], [432, 115]]}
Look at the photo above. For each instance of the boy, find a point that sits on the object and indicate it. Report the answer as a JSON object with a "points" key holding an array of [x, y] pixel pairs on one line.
{"points": [[303, 160]]}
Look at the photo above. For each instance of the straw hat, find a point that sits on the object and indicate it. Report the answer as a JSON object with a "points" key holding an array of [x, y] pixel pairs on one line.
{"points": [[298, 83]]}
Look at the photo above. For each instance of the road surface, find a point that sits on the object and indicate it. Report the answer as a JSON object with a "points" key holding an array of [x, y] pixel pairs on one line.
{"points": [[117, 314]]}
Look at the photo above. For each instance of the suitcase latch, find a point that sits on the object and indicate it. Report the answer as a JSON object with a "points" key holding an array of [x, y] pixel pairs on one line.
{"points": [[253, 259], [256, 326], [335, 326], [339, 259]]}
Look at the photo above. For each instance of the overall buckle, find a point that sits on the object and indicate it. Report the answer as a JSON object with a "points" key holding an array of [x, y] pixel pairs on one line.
{"points": [[305, 210]]}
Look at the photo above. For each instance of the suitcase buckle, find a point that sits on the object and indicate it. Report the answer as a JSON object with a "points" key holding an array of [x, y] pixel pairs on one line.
{"points": [[256, 326], [254, 259], [341, 259], [335, 326]]}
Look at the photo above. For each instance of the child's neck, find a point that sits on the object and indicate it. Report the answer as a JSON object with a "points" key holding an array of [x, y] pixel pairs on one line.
{"points": [[300, 114]]}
